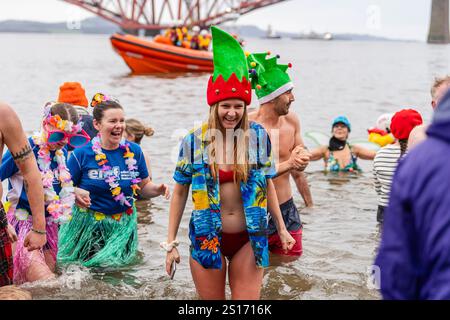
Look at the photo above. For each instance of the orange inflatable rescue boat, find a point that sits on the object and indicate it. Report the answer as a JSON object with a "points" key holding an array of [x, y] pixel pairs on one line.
{"points": [[144, 56]]}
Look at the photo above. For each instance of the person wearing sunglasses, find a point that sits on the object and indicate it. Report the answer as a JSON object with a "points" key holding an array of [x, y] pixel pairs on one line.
{"points": [[73, 139], [59, 127], [109, 173], [73, 93]]}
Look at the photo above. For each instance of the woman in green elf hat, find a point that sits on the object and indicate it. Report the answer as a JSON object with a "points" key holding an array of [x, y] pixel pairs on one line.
{"points": [[228, 163]]}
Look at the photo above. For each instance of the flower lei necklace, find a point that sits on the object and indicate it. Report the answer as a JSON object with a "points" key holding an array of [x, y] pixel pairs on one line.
{"points": [[110, 178], [58, 206]]}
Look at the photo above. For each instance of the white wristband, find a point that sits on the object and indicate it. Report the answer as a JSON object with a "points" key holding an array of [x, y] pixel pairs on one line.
{"points": [[169, 246]]}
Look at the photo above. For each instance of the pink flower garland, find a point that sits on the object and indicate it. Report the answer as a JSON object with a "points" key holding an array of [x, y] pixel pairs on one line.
{"points": [[58, 206]]}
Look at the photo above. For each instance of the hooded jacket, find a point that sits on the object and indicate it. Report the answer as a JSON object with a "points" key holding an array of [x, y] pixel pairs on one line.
{"points": [[414, 255]]}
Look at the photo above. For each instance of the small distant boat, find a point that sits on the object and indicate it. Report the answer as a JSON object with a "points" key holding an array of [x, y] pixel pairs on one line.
{"points": [[144, 56], [328, 36], [314, 36], [271, 34]]}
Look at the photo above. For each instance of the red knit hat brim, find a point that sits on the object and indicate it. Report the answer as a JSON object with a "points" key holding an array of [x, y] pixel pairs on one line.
{"points": [[403, 122], [220, 90]]}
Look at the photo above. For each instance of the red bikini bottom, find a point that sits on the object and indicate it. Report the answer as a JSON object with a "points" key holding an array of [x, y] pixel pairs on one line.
{"points": [[233, 242]]}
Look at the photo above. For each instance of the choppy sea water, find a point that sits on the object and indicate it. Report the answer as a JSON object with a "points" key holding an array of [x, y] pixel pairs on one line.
{"points": [[359, 79]]}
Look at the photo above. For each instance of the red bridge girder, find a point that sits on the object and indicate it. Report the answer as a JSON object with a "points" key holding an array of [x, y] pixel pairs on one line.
{"points": [[160, 14]]}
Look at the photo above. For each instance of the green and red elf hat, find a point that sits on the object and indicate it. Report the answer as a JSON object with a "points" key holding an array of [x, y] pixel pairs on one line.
{"points": [[230, 79], [269, 79]]}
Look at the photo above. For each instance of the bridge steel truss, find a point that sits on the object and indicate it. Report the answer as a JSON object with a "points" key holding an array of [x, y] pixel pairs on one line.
{"points": [[161, 14]]}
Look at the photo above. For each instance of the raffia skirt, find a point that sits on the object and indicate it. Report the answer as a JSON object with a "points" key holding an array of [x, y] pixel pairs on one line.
{"points": [[94, 239]]}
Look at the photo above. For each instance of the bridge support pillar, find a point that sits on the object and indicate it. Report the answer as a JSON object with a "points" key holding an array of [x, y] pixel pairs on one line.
{"points": [[439, 22]]}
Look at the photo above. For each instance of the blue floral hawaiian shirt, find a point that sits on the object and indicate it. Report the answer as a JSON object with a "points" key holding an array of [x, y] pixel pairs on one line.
{"points": [[205, 227]]}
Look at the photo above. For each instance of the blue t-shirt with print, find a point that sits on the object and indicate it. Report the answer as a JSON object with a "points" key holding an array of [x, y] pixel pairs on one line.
{"points": [[16, 191], [87, 175]]}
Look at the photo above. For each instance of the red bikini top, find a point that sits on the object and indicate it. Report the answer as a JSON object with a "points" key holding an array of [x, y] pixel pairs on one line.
{"points": [[226, 176]]}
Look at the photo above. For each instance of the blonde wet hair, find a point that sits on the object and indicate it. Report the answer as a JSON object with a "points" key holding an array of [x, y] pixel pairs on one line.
{"points": [[138, 130], [241, 166]]}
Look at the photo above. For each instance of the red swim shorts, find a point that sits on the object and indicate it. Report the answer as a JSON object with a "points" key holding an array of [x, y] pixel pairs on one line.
{"points": [[291, 218], [275, 244]]}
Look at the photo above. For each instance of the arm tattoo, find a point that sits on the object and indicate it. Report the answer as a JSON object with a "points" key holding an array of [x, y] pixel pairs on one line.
{"points": [[22, 154], [25, 185]]}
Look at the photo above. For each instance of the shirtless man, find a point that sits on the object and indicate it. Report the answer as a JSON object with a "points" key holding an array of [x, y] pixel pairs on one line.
{"points": [[438, 90], [12, 135], [283, 127]]}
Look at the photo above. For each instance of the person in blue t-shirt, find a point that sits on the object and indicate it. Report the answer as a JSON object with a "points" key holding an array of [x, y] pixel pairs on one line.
{"points": [[49, 148], [109, 173]]}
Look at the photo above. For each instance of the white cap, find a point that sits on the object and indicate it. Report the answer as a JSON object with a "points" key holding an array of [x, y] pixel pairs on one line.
{"points": [[384, 121]]}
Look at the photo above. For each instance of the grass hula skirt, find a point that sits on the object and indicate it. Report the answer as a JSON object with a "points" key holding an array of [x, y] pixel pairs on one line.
{"points": [[97, 240], [22, 222]]}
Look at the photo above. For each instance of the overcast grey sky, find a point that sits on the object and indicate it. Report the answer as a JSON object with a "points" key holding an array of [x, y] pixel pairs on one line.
{"points": [[404, 19]]}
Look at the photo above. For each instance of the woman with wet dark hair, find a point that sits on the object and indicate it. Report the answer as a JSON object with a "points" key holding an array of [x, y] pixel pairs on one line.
{"points": [[109, 173]]}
